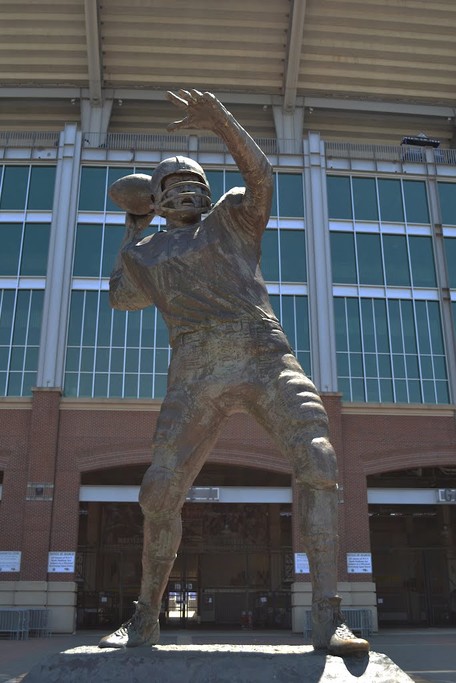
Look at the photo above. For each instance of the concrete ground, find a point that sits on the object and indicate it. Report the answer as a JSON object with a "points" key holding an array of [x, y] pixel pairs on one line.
{"points": [[427, 655]]}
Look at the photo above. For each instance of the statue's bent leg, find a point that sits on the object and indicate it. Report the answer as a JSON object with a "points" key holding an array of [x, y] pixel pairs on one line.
{"points": [[293, 413], [186, 431]]}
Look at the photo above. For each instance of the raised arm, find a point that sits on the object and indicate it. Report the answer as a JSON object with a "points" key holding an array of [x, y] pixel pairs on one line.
{"points": [[205, 112], [126, 287]]}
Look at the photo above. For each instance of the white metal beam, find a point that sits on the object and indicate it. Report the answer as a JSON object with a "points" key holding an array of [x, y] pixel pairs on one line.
{"points": [[92, 23], [294, 47]]}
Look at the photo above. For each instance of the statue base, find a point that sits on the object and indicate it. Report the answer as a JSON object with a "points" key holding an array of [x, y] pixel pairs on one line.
{"points": [[214, 664]]}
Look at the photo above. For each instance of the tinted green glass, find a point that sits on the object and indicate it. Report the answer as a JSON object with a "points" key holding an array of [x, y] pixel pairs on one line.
{"points": [[87, 359], [87, 254], [381, 326], [397, 341], [368, 326], [408, 326], [31, 358], [73, 359], [147, 360], [396, 260], [443, 395], [102, 360], [450, 251], [133, 328], [117, 359], [353, 325], [343, 258], [386, 390], [11, 235], [93, 189], [233, 179], [35, 316], [390, 196], [14, 384], [440, 370], [41, 191], [14, 188], [288, 319], [422, 326], [373, 391], [339, 197], [17, 358], [340, 319], [35, 249], [113, 235], [145, 386], [114, 173], [101, 384], [293, 256], [447, 192], [161, 360], [21, 317], [302, 323], [131, 360], [291, 203], [161, 382], [215, 180], [428, 392], [435, 327], [365, 199], [422, 260], [118, 327], [148, 327], [90, 318], [369, 259], [104, 320], [274, 209], [358, 392], [75, 322], [270, 255], [416, 205]]}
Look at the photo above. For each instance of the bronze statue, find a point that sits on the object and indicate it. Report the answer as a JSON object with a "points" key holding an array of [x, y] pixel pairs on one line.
{"points": [[229, 354]]}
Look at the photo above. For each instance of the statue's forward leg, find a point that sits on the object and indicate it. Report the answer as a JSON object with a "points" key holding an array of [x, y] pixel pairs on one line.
{"points": [[293, 413], [185, 434]]}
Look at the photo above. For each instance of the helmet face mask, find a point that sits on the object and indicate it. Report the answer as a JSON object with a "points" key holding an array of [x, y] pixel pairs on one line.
{"points": [[180, 189]]}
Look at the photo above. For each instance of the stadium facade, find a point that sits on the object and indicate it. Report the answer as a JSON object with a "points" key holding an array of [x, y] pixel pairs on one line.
{"points": [[360, 262]]}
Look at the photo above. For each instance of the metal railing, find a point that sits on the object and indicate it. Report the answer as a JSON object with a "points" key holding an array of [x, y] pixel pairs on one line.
{"points": [[359, 150], [29, 139]]}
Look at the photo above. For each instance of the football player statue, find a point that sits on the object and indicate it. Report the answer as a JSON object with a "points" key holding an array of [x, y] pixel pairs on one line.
{"points": [[229, 354]]}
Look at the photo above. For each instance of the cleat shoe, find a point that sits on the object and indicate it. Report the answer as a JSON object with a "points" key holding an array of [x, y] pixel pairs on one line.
{"points": [[330, 633], [141, 629]]}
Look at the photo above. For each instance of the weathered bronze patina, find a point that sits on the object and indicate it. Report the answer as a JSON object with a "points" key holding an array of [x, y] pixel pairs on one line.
{"points": [[230, 355]]}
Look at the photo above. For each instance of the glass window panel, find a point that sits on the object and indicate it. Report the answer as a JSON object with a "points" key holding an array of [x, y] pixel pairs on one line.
{"points": [[390, 196], [118, 327], [71, 384], [115, 385], [416, 205], [450, 251], [365, 199], [422, 327], [340, 323], [288, 319], [90, 318], [411, 363], [41, 191], [358, 393], [114, 173], [422, 260], [414, 389], [435, 327], [7, 301], [28, 383], [75, 323], [36, 312], [161, 382], [304, 361], [215, 180], [343, 367], [147, 360], [14, 384], [14, 189], [161, 360], [343, 258], [356, 365], [4, 357], [442, 392], [133, 328], [233, 179], [396, 260], [35, 249], [113, 235], [369, 259], [131, 360], [386, 390], [104, 320], [31, 358], [384, 365], [400, 387], [88, 250], [447, 192], [93, 189], [339, 197], [21, 317], [302, 323], [11, 236], [354, 329], [427, 371], [85, 384], [17, 358], [369, 337], [131, 385], [408, 325], [344, 386], [293, 255], [397, 341], [373, 391], [398, 365], [145, 386], [117, 360], [274, 210], [370, 360], [102, 360], [291, 203], [381, 326], [440, 371], [270, 256], [101, 384], [87, 359], [72, 359], [148, 327]]}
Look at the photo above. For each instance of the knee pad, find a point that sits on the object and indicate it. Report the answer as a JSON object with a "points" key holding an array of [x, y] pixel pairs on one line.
{"points": [[319, 468]]}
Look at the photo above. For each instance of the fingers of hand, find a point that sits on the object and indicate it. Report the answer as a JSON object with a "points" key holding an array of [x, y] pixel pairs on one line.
{"points": [[178, 101]]}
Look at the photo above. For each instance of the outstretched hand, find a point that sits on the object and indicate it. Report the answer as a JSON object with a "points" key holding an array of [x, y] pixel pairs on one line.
{"points": [[203, 110]]}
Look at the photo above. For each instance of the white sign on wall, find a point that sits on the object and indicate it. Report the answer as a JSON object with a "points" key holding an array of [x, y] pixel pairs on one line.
{"points": [[10, 561], [359, 563], [301, 564], [61, 562]]}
